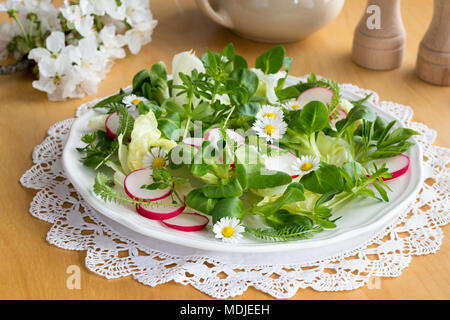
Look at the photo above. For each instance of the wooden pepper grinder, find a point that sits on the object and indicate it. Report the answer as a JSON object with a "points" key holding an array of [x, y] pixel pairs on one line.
{"points": [[379, 38], [433, 59]]}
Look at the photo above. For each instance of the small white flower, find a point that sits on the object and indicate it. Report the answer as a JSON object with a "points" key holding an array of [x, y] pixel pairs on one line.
{"points": [[7, 33], [112, 43], [269, 128], [137, 11], [133, 100], [268, 111], [55, 45], [10, 4], [228, 229], [139, 35], [155, 158], [305, 165], [291, 105]]}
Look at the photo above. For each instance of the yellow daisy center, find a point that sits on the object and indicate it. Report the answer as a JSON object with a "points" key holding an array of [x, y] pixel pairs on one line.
{"points": [[227, 231], [136, 101], [158, 162], [295, 106], [269, 128], [306, 166], [270, 115]]}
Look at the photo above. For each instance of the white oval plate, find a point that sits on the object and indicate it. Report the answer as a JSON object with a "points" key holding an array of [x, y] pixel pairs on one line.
{"points": [[359, 218]]}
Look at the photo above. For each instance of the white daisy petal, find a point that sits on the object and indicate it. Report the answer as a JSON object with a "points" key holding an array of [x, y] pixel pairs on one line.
{"points": [[305, 165], [268, 111], [228, 229], [291, 105], [155, 157], [133, 100], [269, 128]]}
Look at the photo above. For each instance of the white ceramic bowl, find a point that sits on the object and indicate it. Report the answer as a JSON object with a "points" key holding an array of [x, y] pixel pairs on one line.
{"points": [[274, 21]]}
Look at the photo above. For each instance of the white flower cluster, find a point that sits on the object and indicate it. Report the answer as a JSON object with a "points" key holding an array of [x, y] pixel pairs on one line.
{"points": [[79, 40]]}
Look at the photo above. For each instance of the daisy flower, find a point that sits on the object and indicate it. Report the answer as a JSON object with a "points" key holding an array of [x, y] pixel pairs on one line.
{"points": [[155, 158], [269, 128], [291, 105], [228, 229], [270, 112], [305, 165], [133, 100]]}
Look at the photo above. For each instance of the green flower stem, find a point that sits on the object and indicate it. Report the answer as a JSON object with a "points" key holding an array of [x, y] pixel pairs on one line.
{"points": [[25, 35], [186, 129], [228, 117]]}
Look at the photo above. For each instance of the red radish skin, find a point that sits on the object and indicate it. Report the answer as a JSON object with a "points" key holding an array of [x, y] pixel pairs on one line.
{"points": [[398, 173], [136, 179], [179, 222], [402, 170], [321, 94], [111, 125], [293, 176], [339, 113], [154, 212], [193, 142]]}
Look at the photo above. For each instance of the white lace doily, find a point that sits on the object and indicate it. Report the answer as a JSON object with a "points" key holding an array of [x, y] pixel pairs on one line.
{"points": [[114, 251]]}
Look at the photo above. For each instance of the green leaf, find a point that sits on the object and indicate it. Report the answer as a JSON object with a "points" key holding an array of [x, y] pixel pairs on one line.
{"points": [[197, 200], [202, 111], [248, 109], [354, 170], [228, 207], [293, 193], [241, 175], [283, 218], [228, 190], [272, 60], [170, 125], [359, 112], [312, 118], [139, 79], [229, 52], [116, 98], [268, 179], [158, 71], [244, 78], [240, 62], [398, 135], [283, 234], [381, 191], [126, 122], [144, 108], [326, 179], [171, 107]]}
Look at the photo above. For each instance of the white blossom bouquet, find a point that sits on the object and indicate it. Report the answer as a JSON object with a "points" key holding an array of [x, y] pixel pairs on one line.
{"points": [[72, 48]]}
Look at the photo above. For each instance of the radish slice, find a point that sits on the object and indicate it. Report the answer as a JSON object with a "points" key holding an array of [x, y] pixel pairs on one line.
{"points": [[157, 211], [136, 179], [397, 166], [112, 125], [214, 135], [282, 161], [315, 94], [193, 142], [112, 122], [337, 115], [187, 222]]}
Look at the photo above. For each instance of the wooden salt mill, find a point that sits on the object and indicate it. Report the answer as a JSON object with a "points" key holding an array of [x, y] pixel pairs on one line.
{"points": [[379, 38], [433, 59]]}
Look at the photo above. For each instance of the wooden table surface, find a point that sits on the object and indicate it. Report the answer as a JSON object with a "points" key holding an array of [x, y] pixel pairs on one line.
{"points": [[30, 268]]}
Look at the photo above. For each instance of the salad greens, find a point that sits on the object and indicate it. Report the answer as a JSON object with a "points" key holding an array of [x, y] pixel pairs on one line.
{"points": [[332, 156]]}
